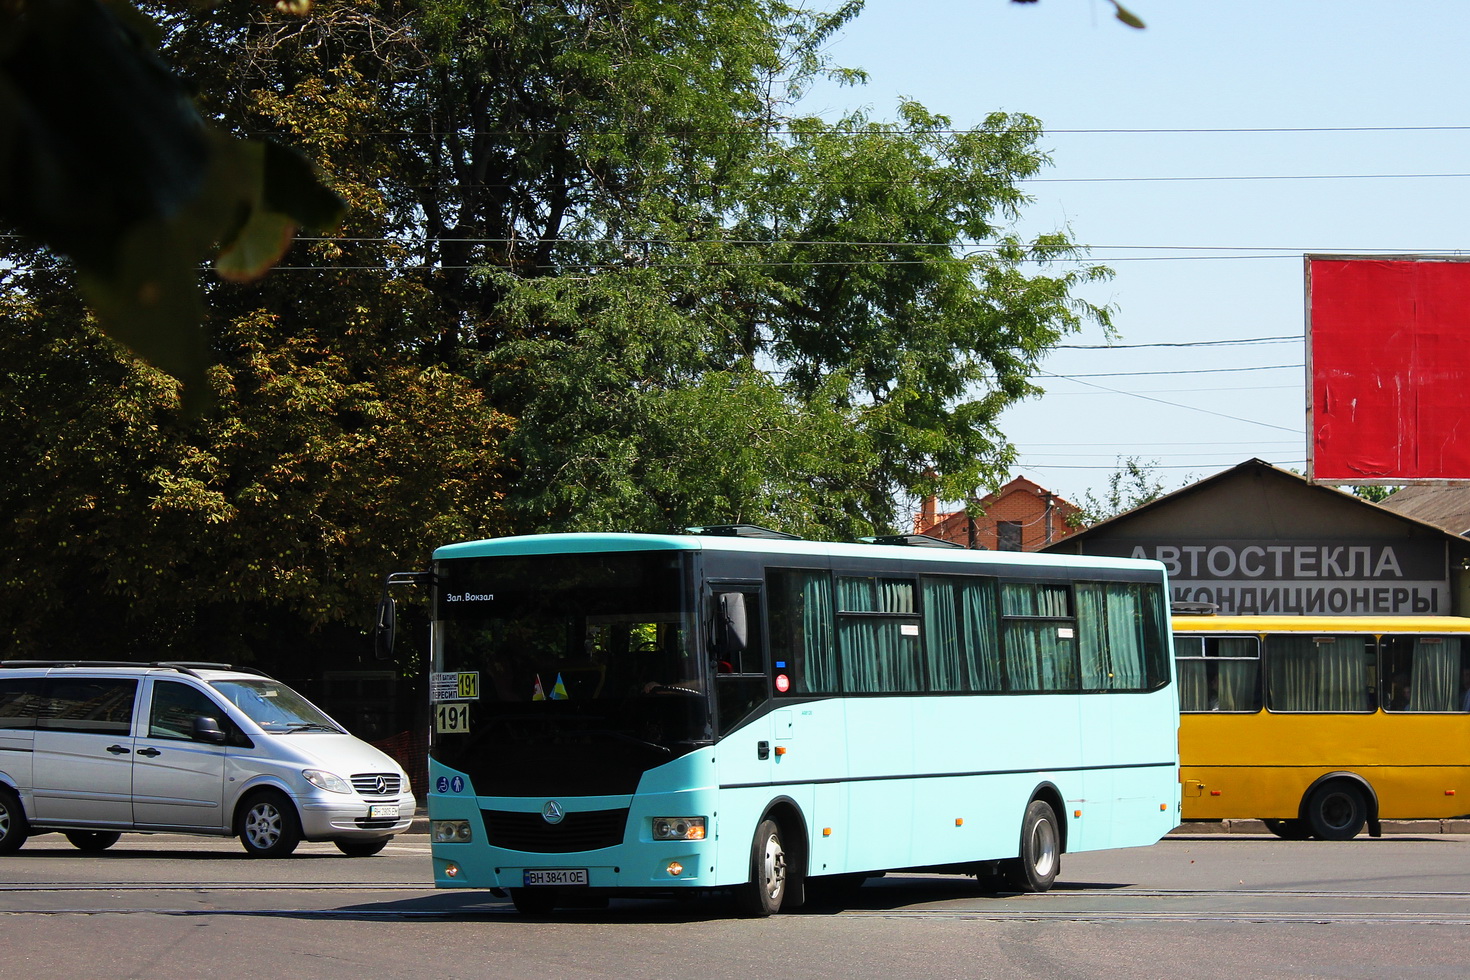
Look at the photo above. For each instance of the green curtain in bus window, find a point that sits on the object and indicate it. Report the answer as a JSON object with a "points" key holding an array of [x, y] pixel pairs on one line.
{"points": [[882, 595], [943, 646], [1292, 675], [1092, 636], [1194, 686], [1126, 632], [801, 629], [1305, 675], [1155, 626], [1039, 658], [1110, 634], [877, 654], [961, 644], [820, 663], [1343, 674], [1033, 599], [1434, 682], [1238, 685], [981, 635]]}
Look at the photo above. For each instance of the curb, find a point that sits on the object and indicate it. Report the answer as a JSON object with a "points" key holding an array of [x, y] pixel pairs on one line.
{"points": [[1193, 828]]}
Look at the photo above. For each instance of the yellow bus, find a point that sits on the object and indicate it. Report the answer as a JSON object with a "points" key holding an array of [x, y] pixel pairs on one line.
{"points": [[1321, 725]]}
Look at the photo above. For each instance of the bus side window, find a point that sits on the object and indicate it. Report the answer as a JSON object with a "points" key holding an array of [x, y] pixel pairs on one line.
{"points": [[1317, 672], [1424, 673], [1218, 673], [737, 656]]}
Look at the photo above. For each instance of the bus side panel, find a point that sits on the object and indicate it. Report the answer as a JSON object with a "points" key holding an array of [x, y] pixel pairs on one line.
{"points": [[803, 762], [1251, 766], [879, 827], [1132, 776]]}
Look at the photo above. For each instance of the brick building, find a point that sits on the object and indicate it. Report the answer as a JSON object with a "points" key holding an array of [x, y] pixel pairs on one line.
{"points": [[1020, 516]]}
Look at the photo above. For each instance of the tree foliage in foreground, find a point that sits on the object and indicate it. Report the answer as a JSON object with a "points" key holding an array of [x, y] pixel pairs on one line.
{"points": [[597, 272]]}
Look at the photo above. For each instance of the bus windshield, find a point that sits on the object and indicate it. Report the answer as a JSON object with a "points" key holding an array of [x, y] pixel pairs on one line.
{"points": [[585, 663]]}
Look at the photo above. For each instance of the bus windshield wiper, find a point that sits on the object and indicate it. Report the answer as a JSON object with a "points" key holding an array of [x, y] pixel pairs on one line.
{"points": [[629, 738]]}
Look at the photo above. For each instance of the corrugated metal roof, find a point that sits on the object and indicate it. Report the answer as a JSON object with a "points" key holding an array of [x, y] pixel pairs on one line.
{"points": [[1445, 505]]}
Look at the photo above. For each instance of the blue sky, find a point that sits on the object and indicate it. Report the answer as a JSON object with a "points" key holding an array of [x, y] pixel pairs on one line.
{"points": [[1200, 158]]}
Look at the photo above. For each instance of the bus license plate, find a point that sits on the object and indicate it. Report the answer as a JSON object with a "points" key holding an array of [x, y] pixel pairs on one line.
{"points": [[383, 811], [556, 876]]}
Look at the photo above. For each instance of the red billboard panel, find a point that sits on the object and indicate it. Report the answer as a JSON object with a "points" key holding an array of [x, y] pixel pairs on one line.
{"points": [[1388, 368]]}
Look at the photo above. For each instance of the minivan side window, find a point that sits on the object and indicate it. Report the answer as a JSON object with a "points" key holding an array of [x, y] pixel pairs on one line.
{"points": [[95, 705], [175, 706], [20, 699]]}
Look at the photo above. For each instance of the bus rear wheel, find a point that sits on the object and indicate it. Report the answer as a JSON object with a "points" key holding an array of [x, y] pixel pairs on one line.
{"points": [[1041, 851], [763, 893], [1337, 810]]}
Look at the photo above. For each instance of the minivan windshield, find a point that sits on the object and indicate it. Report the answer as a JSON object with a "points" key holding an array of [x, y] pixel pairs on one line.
{"points": [[275, 707]]}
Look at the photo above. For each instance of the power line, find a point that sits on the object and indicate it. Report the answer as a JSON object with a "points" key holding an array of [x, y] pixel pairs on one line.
{"points": [[1190, 343], [1140, 374], [1160, 401], [1301, 461], [1124, 180], [1180, 391]]}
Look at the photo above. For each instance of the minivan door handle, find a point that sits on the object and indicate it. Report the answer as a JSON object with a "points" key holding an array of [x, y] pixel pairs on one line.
{"points": [[117, 750], [150, 752]]}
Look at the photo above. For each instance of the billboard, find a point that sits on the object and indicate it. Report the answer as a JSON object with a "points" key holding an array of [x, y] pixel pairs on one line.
{"points": [[1388, 369]]}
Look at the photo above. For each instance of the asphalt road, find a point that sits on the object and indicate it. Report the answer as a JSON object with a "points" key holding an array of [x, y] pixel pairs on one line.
{"points": [[1236, 906]]}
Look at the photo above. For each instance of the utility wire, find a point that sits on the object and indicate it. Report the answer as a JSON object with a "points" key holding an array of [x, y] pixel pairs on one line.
{"points": [[1160, 401]]}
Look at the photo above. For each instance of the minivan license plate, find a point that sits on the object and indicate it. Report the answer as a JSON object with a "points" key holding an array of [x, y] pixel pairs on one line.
{"points": [[383, 811], [557, 876]]}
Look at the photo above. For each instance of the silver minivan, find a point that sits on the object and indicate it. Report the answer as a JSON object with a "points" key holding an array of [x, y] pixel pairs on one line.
{"points": [[96, 749]]}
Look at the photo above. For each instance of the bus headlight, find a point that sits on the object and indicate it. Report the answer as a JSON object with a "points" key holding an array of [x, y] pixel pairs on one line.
{"points": [[678, 828], [450, 831]]}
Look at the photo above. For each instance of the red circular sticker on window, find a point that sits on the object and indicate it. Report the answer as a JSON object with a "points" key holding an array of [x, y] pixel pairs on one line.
{"points": [[783, 683]]}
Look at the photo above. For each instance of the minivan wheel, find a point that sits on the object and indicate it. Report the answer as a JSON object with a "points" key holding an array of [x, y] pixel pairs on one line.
{"points": [[362, 848], [267, 826], [92, 841], [13, 827]]}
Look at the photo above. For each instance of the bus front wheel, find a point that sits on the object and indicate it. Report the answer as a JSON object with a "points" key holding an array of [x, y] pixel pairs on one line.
{"points": [[1337, 810], [763, 893], [1041, 851]]}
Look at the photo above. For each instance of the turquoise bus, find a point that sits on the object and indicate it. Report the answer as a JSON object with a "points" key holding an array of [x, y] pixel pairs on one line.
{"points": [[737, 711]]}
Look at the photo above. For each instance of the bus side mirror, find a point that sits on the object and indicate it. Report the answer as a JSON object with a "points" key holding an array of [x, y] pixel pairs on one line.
{"points": [[385, 629], [729, 634]]}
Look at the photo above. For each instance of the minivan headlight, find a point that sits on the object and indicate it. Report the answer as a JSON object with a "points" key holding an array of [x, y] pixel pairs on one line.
{"points": [[329, 781]]}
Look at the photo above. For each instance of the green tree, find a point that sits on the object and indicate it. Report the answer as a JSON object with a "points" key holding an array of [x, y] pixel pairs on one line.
{"points": [[597, 272], [1372, 492], [1133, 484]]}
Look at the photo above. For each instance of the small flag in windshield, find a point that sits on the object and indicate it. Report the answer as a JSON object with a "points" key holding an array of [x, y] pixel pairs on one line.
{"points": [[538, 694], [559, 691]]}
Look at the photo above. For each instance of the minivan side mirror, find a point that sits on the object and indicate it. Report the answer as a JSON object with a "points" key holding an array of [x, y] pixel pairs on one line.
{"points": [[207, 729]]}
